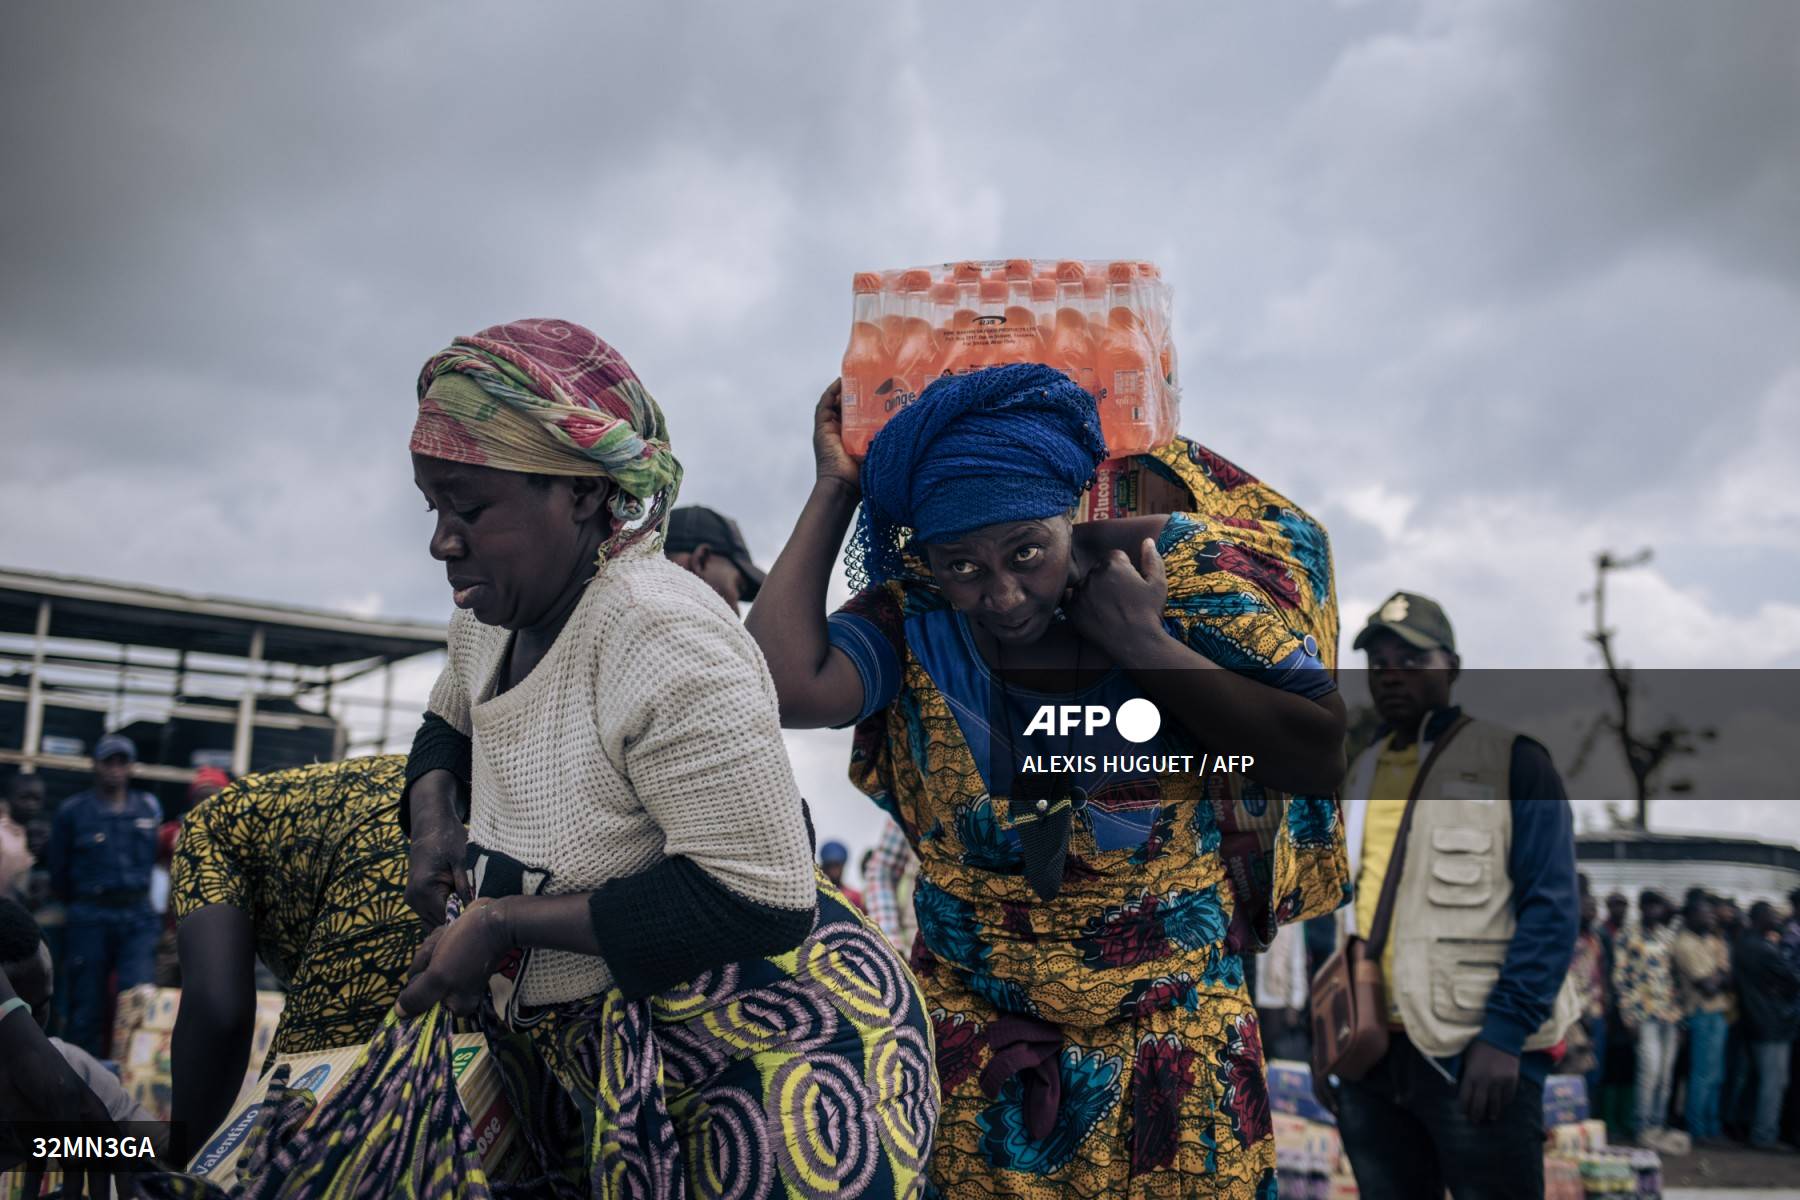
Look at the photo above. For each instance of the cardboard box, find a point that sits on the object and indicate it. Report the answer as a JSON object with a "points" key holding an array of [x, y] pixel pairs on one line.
{"points": [[164, 1004], [1307, 1145], [1290, 1091], [1565, 1100], [1578, 1137], [128, 1015], [144, 1033], [1124, 487], [477, 1083]]}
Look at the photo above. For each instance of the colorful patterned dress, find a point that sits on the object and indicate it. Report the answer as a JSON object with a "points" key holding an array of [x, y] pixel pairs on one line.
{"points": [[1135, 963], [806, 1075]]}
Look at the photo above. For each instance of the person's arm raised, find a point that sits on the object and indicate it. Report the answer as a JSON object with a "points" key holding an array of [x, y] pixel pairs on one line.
{"points": [[1297, 742], [817, 685]]}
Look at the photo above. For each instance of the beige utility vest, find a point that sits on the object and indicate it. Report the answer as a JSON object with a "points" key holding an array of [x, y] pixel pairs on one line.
{"points": [[1453, 914]]}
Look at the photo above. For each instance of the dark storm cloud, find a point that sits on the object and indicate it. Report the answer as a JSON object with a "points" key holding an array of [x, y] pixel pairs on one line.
{"points": [[1439, 261]]}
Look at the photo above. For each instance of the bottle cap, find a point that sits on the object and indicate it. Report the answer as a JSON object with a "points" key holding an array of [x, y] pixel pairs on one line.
{"points": [[1070, 271], [1018, 268], [1043, 289], [866, 282], [993, 291]]}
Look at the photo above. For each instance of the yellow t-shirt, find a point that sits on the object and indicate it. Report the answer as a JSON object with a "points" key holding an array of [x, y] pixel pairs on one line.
{"points": [[1394, 772]]}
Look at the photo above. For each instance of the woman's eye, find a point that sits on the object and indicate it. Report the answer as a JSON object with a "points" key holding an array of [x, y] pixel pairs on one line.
{"points": [[467, 515], [963, 568], [1025, 555]]}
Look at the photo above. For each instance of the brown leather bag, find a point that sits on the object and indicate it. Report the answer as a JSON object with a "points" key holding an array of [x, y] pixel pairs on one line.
{"points": [[1349, 996]]}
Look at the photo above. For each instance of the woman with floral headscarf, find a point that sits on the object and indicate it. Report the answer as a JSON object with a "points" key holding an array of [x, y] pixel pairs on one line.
{"points": [[1080, 927], [647, 907]]}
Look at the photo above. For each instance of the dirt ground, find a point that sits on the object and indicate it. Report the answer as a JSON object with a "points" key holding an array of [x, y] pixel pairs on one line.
{"points": [[1731, 1167]]}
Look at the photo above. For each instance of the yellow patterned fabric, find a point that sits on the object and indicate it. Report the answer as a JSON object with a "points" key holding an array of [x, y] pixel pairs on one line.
{"points": [[315, 858], [1284, 554], [1136, 962]]}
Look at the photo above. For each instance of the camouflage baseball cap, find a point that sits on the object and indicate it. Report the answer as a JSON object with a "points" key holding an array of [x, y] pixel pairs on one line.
{"points": [[1414, 619]]}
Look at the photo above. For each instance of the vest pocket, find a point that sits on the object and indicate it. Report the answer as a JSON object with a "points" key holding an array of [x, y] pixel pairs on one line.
{"points": [[1462, 977], [1455, 840], [1461, 874]]}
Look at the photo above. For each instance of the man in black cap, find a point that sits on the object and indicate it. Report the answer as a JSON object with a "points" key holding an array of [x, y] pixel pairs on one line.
{"points": [[711, 545], [102, 851], [1481, 928]]}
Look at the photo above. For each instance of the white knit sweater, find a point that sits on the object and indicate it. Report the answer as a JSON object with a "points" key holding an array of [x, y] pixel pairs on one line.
{"points": [[649, 730]]}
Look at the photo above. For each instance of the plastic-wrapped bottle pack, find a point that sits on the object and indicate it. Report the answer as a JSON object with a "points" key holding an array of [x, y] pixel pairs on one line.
{"points": [[1105, 324]]}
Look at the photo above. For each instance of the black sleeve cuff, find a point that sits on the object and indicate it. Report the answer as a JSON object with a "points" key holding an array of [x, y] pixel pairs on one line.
{"points": [[437, 746], [668, 924]]}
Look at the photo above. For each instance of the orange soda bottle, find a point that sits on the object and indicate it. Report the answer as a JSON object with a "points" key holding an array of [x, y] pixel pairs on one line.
{"points": [[990, 348], [891, 320], [1071, 348], [1125, 362], [943, 327], [865, 364], [1162, 338], [1023, 341], [1043, 306], [915, 357], [959, 335]]}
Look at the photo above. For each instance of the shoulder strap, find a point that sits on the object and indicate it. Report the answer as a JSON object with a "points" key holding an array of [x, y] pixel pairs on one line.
{"points": [[1390, 882]]}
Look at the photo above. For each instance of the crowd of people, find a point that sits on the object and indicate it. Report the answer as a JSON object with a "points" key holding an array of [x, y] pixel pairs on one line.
{"points": [[1052, 982], [1691, 1017]]}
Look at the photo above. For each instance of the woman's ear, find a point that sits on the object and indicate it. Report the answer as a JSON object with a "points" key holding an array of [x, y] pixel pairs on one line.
{"points": [[698, 557], [588, 497]]}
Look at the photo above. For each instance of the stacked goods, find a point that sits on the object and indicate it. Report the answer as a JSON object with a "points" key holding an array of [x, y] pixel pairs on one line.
{"points": [[1103, 324], [128, 1015], [1565, 1100], [1578, 1161], [1578, 1137], [144, 1029], [1635, 1174], [1290, 1091], [1309, 1156], [1562, 1179], [478, 1085]]}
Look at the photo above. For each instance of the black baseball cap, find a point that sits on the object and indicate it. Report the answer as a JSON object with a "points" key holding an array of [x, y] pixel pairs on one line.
{"points": [[693, 526], [1416, 620]]}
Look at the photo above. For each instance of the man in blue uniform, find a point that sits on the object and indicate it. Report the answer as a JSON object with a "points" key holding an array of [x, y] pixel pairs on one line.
{"points": [[102, 850]]}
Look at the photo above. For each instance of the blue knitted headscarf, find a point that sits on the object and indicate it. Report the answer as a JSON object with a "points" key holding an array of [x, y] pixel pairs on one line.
{"points": [[1012, 443]]}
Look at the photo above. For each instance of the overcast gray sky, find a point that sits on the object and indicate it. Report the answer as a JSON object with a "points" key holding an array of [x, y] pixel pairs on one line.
{"points": [[1484, 286]]}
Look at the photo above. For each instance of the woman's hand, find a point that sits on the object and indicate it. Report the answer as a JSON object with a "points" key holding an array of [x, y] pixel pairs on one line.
{"points": [[1118, 604], [832, 461], [434, 861], [455, 961]]}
